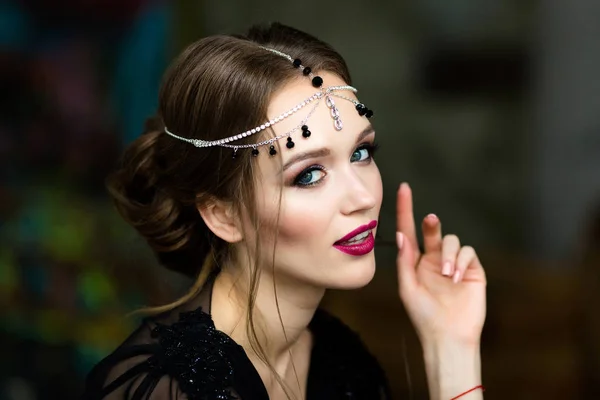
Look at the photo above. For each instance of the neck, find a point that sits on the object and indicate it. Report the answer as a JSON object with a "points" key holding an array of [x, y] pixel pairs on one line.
{"points": [[283, 309]]}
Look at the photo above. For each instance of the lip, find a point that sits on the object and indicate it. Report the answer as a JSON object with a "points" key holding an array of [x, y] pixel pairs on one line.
{"points": [[359, 230], [358, 249]]}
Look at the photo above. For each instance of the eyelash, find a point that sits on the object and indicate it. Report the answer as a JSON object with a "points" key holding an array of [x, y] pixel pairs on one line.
{"points": [[370, 147]]}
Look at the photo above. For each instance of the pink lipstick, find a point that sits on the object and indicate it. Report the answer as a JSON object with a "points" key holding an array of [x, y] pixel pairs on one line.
{"points": [[358, 242]]}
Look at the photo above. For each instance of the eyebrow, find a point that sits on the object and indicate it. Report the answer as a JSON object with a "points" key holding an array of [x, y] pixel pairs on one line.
{"points": [[323, 152]]}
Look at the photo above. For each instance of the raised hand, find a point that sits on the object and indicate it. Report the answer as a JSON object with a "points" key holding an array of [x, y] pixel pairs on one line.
{"points": [[443, 289]]}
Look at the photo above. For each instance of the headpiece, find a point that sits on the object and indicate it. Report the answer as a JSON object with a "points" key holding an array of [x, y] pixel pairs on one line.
{"points": [[324, 92]]}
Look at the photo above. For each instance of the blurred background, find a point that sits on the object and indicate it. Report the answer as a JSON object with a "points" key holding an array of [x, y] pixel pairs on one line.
{"points": [[490, 109]]}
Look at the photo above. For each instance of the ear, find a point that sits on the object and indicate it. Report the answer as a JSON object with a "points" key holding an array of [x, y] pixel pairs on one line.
{"points": [[221, 220]]}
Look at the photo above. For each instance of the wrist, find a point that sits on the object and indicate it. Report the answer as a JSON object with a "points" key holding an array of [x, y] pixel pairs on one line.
{"points": [[452, 368], [442, 344], [443, 339]]}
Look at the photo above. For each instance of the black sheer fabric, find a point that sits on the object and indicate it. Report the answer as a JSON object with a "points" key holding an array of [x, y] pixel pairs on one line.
{"points": [[181, 355]]}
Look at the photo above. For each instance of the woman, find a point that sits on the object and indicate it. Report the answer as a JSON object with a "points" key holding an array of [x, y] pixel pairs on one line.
{"points": [[259, 182]]}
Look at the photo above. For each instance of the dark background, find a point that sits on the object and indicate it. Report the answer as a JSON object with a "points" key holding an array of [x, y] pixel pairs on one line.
{"points": [[490, 109]]}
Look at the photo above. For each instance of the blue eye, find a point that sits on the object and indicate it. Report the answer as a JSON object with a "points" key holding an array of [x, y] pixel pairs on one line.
{"points": [[363, 153], [360, 155], [310, 176]]}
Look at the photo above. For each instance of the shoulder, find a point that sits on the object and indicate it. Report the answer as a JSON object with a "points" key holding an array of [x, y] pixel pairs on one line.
{"points": [[340, 355], [187, 358]]}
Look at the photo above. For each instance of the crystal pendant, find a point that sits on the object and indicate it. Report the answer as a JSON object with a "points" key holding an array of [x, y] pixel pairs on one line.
{"points": [[329, 102], [335, 114], [338, 124]]}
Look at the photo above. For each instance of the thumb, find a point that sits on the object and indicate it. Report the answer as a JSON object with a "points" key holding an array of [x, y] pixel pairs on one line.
{"points": [[405, 263]]}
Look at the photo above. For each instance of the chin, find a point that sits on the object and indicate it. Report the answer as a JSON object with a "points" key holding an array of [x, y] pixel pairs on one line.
{"points": [[354, 275]]}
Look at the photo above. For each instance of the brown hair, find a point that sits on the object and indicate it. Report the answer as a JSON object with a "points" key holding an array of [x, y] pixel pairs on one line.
{"points": [[218, 86]]}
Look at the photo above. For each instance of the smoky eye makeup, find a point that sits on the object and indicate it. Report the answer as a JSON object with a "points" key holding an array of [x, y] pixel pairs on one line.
{"points": [[310, 176]]}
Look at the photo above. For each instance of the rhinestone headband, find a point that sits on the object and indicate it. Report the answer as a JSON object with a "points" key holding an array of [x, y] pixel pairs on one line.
{"points": [[324, 92]]}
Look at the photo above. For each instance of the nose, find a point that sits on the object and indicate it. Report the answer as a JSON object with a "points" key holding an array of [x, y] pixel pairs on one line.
{"points": [[360, 192]]}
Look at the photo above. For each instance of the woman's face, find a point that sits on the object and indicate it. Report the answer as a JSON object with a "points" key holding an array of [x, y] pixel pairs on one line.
{"points": [[330, 186]]}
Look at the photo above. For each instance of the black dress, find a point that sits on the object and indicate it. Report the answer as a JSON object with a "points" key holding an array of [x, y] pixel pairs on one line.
{"points": [[181, 355]]}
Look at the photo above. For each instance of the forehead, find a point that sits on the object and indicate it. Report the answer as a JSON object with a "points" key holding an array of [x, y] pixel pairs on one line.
{"points": [[320, 122]]}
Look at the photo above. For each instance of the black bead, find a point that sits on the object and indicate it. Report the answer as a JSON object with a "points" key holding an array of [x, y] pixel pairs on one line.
{"points": [[297, 63], [317, 81], [362, 111], [306, 70], [254, 152], [306, 133], [369, 113], [272, 150], [290, 143], [304, 128], [359, 106]]}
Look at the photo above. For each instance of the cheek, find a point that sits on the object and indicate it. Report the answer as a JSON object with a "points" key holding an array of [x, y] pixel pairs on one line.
{"points": [[300, 220], [299, 225]]}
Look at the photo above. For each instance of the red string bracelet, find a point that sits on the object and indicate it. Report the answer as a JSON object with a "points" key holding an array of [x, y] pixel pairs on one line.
{"points": [[469, 391]]}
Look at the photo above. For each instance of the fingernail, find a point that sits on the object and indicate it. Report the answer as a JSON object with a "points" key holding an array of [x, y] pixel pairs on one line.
{"points": [[456, 276], [447, 268], [399, 240], [432, 217]]}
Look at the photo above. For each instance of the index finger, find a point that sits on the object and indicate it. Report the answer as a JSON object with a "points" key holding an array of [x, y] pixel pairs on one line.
{"points": [[405, 219]]}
